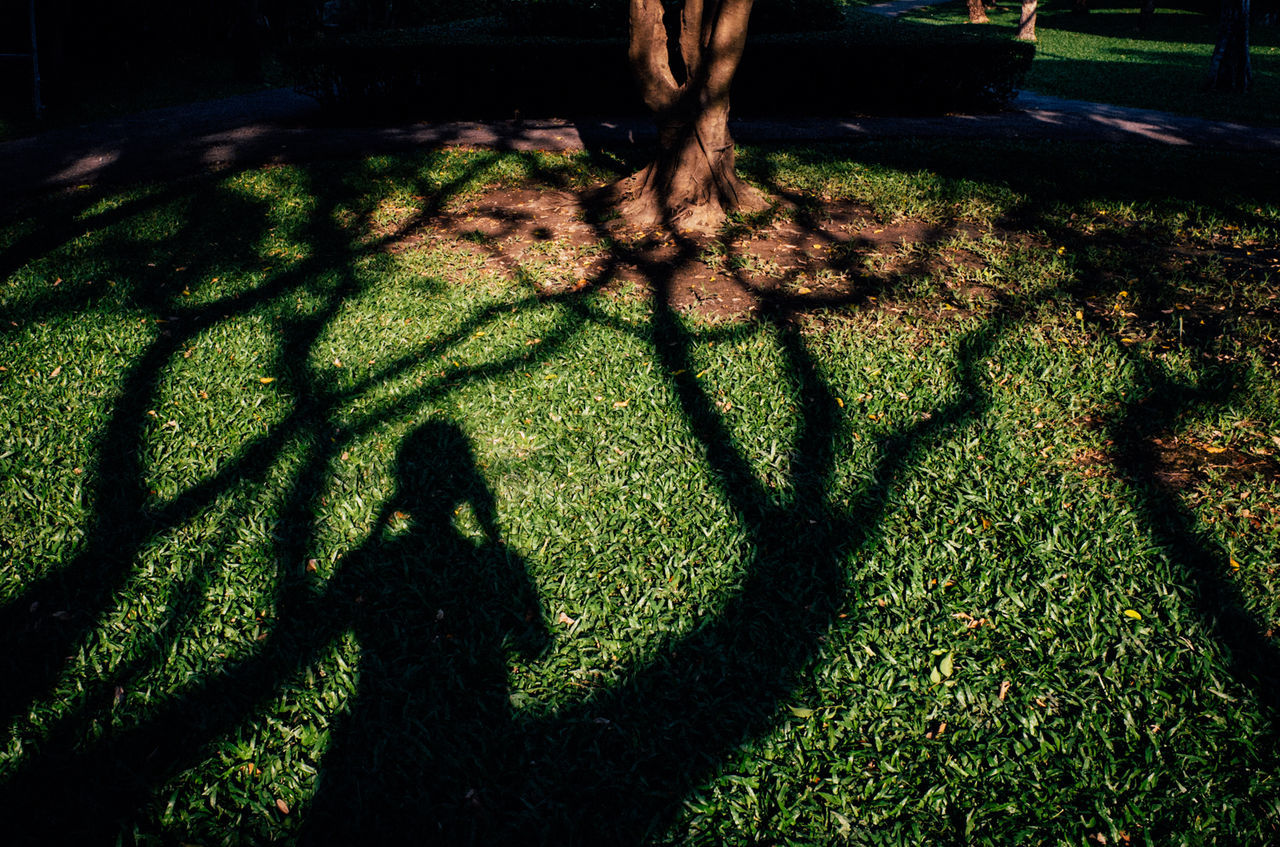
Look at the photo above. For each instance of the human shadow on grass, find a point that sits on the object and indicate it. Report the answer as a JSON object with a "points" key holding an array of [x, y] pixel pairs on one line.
{"points": [[55, 612], [612, 766], [615, 765], [437, 616], [111, 777]]}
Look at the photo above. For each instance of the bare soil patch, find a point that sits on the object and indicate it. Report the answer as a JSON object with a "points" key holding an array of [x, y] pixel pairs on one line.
{"points": [[792, 259]]}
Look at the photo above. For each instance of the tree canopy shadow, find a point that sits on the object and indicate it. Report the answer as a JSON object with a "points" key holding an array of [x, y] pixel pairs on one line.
{"points": [[429, 746]]}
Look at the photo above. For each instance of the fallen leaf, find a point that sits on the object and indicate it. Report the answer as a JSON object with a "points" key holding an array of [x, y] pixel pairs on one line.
{"points": [[282, 806], [1004, 689], [1133, 614], [565, 619], [312, 565], [266, 380], [55, 371], [801, 712], [947, 665]]}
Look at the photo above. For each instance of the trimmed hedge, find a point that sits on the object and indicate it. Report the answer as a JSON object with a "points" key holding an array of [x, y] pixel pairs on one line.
{"points": [[608, 18], [478, 70]]}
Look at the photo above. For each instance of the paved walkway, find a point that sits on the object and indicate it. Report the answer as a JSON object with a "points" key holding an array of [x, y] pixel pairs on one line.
{"points": [[897, 8], [283, 126]]}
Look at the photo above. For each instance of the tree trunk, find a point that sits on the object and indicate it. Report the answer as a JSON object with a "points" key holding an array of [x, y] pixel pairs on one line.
{"points": [[1148, 14], [1230, 68], [1027, 24], [693, 183], [977, 12]]}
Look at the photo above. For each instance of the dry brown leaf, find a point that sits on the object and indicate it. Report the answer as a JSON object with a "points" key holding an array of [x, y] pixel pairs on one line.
{"points": [[282, 806]]}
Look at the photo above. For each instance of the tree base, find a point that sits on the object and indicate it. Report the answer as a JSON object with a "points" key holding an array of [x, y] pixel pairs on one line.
{"points": [[686, 202]]}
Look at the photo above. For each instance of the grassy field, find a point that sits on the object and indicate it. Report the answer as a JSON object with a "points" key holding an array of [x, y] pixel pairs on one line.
{"points": [[317, 523], [1105, 57]]}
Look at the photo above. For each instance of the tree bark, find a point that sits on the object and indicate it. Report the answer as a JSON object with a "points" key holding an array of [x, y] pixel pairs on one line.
{"points": [[1230, 68], [693, 182], [977, 12], [1027, 23]]}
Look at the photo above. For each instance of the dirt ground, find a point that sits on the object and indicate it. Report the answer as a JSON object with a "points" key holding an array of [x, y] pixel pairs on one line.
{"points": [[805, 256]]}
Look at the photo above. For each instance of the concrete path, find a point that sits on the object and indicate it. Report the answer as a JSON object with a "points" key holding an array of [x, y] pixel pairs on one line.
{"points": [[897, 8], [282, 126]]}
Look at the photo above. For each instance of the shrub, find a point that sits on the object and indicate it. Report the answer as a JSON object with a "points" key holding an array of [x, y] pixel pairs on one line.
{"points": [[608, 18], [479, 69]]}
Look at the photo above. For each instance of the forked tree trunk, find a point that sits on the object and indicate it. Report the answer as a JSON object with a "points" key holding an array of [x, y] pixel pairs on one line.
{"points": [[1027, 23], [1230, 68], [977, 12], [693, 183]]}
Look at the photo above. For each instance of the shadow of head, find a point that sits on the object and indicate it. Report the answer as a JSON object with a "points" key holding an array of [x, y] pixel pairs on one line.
{"points": [[436, 473]]}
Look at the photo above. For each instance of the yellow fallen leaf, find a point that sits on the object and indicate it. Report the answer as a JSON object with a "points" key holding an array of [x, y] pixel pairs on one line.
{"points": [[804, 289], [266, 380], [1133, 614], [1215, 449], [1235, 566], [839, 402]]}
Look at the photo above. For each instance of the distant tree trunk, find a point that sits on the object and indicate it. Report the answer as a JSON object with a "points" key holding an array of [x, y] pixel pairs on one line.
{"points": [[1148, 14], [693, 182], [1027, 23], [247, 41], [977, 12], [1230, 68]]}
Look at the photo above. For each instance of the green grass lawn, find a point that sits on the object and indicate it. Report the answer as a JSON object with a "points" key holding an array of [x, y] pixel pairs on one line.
{"points": [[312, 531], [1105, 57]]}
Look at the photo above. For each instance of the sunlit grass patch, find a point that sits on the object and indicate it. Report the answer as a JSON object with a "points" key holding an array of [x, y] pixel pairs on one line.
{"points": [[310, 529]]}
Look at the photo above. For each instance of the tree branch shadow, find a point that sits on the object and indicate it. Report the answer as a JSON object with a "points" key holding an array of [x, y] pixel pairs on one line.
{"points": [[617, 763]]}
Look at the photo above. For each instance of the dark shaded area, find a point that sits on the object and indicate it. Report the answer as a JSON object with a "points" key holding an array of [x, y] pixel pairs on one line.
{"points": [[461, 765], [487, 69]]}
